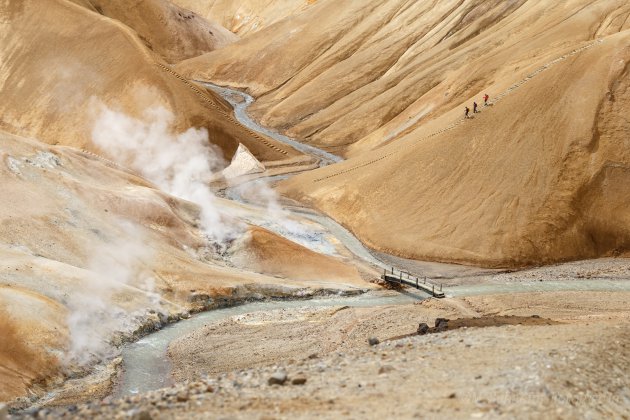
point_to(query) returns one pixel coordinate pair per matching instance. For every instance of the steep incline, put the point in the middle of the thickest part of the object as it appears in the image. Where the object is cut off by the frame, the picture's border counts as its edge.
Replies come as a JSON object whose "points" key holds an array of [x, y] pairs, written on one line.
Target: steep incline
{"points": [[351, 76], [540, 176], [171, 31], [52, 72], [246, 16]]}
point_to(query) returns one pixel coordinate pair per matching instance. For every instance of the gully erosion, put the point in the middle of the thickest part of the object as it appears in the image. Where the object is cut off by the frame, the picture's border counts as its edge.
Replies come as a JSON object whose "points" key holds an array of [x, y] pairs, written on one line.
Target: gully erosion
{"points": [[145, 364]]}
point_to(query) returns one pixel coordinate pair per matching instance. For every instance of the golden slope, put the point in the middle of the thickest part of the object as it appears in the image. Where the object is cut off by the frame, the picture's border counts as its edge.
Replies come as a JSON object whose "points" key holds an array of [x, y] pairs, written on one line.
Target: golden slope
{"points": [[541, 176], [64, 212], [247, 16], [171, 31], [351, 76], [58, 56]]}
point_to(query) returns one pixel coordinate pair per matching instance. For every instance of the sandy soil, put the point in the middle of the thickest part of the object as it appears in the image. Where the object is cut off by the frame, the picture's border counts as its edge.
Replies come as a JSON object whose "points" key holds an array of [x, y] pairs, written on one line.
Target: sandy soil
{"points": [[570, 365], [172, 32], [76, 231], [539, 177], [247, 16], [56, 68], [267, 338]]}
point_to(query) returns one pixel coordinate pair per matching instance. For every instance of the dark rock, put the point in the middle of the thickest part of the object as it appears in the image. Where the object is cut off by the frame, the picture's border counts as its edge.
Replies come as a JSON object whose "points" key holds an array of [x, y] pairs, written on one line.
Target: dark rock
{"points": [[278, 378], [373, 341], [182, 396], [142, 415], [441, 324], [423, 328], [300, 380], [535, 316]]}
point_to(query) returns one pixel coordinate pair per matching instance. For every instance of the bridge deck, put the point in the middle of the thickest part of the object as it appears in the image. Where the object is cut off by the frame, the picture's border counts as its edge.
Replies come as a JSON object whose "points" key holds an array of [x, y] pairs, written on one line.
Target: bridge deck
{"points": [[413, 281]]}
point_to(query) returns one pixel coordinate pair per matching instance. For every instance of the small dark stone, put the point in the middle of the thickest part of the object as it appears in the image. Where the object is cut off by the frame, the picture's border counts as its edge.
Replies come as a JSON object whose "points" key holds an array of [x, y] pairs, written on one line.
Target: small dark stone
{"points": [[535, 316], [300, 380], [313, 356], [142, 415], [423, 328], [182, 396], [452, 395], [372, 341], [441, 324], [439, 321]]}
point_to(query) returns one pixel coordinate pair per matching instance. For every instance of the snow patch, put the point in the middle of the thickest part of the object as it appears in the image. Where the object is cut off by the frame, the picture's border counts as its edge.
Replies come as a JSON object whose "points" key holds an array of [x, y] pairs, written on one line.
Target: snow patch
{"points": [[243, 163]]}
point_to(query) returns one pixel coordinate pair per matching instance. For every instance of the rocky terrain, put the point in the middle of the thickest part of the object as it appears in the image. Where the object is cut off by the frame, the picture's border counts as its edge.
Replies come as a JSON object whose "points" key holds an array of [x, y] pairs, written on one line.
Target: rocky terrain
{"points": [[263, 162], [556, 356]]}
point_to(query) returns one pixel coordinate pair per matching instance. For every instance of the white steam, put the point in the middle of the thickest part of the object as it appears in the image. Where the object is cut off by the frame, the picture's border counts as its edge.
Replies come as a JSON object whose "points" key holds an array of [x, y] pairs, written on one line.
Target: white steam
{"points": [[94, 317], [180, 164]]}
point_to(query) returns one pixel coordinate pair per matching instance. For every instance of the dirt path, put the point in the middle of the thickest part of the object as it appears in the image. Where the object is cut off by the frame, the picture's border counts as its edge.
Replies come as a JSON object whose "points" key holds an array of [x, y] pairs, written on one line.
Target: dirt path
{"points": [[492, 102], [462, 306]]}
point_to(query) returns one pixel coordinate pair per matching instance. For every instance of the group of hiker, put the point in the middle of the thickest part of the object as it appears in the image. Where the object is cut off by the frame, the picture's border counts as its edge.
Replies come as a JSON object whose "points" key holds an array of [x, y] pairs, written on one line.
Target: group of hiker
{"points": [[475, 106]]}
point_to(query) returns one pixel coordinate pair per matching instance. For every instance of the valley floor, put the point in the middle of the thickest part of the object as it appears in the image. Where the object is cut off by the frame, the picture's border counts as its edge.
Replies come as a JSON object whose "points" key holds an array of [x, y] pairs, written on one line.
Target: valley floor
{"points": [[554, 354]]}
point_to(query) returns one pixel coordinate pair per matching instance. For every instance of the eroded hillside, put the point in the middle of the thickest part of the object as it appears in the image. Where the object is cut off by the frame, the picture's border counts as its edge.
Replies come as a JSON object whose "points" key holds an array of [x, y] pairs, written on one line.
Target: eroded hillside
{"points": [[540, 175], [57, 65], [355, 75], [248, 16]]}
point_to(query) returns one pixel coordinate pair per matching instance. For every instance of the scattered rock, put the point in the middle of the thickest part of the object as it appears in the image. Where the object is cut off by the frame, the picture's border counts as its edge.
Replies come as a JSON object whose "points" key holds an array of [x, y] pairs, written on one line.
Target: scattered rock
{"points": [[441, 324], [182, 396], [452, 395], [423, 328], [299, 380], [373, 341], [535, 316], [313, 356], [142, 415], [278, 378]]}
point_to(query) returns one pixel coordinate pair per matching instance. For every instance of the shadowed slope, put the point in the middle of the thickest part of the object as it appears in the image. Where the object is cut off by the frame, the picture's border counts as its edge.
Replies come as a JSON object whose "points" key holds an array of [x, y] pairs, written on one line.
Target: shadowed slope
{"points": [[59, 58], [351, 76], [246, 16], [171, 31], [542, 175]]}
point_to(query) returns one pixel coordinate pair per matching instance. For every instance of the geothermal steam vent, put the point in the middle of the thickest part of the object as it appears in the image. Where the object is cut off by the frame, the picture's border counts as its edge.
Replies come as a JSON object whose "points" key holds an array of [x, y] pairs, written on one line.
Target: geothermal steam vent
{"points": [[243, 163]]}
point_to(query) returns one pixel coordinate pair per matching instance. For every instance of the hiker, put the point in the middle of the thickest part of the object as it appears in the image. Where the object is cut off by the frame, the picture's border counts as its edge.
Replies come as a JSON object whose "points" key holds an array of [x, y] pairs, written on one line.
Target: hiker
{"points": [[475, 107], [467, 112], [485, 99]]}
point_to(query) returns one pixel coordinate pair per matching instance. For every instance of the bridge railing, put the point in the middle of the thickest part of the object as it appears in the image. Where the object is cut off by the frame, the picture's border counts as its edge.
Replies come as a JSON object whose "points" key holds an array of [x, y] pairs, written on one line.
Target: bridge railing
{"points": [[405, 277]]}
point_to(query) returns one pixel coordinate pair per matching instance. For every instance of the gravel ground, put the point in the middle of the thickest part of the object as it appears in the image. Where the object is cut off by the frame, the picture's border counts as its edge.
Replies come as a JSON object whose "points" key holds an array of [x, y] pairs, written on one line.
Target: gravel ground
{"points": [[574, 366], [556, 371]]}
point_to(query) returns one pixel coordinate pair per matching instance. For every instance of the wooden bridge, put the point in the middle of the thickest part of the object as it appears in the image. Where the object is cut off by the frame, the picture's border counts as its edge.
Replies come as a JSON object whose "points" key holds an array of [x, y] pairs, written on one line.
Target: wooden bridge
{"points": [[407, 279]]}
